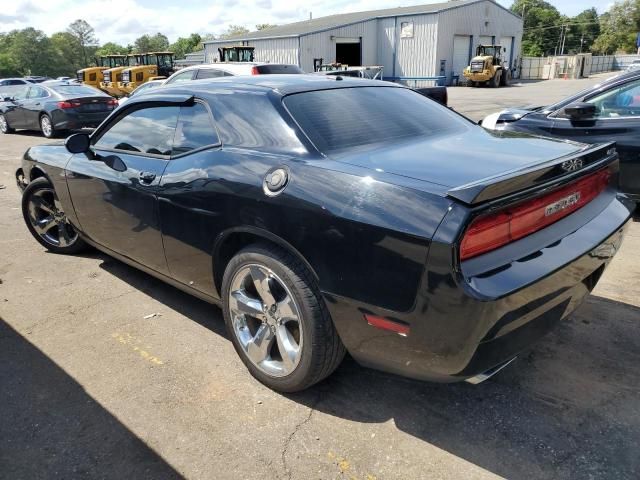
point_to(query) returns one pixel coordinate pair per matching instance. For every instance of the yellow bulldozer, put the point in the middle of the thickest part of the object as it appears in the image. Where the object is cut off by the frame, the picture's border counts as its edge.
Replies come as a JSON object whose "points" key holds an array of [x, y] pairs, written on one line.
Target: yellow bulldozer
{"points": [[93, 75], [487, 68], [111, 76], [156, 65]]}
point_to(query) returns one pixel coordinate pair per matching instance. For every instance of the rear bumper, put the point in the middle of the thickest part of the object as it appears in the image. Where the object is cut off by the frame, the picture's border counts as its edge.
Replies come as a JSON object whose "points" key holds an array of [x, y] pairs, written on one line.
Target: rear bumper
{"points": [[465, 323], [72, 120]]}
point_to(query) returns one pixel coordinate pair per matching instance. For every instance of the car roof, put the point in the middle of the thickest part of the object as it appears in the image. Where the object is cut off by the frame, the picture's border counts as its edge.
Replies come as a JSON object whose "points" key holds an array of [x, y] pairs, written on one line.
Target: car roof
{"points": [[230, 67], [282, 84]]}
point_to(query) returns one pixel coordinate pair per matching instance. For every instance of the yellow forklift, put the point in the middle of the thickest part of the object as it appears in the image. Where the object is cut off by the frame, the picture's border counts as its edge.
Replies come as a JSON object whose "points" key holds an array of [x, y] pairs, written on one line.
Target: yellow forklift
{"points": [[156, 66], [93, 75], [111, 76], [487, 68]]}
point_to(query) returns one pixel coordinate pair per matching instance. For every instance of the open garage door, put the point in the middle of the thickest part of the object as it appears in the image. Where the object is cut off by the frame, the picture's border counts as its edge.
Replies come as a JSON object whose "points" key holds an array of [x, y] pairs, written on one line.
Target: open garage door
{"points": [[507, 42], [349, 51], [461, 48]]}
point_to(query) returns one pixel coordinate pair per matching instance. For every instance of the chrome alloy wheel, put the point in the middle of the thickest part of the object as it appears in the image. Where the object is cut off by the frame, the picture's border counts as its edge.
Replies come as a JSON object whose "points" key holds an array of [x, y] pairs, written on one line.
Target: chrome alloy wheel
{"points": [[4, 127], [48, 219], [45, 125], [266, 320]]}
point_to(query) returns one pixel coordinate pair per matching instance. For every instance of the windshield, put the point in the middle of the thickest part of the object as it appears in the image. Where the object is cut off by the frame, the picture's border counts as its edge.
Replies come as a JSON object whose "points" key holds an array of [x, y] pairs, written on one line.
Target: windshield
{"points": [[345, 118], [489, 51], [165, 61]]}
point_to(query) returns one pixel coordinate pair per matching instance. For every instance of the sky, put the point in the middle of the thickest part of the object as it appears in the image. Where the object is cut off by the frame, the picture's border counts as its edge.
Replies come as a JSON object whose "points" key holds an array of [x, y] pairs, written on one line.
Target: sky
{"points": [[123, 21]]}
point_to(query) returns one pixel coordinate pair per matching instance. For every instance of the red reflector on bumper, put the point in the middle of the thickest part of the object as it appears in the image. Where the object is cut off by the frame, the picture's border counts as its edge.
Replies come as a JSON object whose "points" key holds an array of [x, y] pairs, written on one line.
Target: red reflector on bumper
{"points": [[385, 324], [489, 232]]}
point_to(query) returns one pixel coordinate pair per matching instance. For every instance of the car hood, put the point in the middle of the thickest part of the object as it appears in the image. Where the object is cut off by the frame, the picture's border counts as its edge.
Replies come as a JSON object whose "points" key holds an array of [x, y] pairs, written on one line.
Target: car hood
{"points": [[458, 159]]}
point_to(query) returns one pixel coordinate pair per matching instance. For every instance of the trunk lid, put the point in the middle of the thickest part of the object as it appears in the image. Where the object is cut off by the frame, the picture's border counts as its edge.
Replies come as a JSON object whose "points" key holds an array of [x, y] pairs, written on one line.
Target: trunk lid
{"points": [[478, 165]]}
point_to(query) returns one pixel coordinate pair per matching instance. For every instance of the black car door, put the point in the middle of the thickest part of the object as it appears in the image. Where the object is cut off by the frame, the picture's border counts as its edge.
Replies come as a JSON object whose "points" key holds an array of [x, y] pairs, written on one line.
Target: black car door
{"points": [[617, 119], [12, 108], [33, 105], [114, 193]]}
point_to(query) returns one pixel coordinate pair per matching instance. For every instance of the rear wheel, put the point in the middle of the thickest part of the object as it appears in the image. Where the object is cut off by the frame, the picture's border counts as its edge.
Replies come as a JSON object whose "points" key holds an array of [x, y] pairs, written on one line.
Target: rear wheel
{"points": [[277, 319], [4, 125], [46, 126], [471, 83], [46, 220]]}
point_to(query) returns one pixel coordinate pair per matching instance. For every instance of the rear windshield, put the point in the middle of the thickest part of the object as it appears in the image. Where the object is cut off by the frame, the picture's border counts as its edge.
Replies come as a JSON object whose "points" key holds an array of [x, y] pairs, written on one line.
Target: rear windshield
{"points": [[340, 119], [278, 69], [75, 90]]}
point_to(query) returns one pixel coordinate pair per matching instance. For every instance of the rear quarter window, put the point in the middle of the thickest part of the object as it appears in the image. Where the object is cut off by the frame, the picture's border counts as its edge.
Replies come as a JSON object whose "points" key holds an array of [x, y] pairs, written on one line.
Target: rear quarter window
{"points": [[345, 118]]}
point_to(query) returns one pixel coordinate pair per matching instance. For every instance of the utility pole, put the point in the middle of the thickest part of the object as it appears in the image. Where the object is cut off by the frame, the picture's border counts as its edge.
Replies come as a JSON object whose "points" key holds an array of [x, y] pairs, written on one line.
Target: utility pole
{"points": [[581, 42], [564, 37]]}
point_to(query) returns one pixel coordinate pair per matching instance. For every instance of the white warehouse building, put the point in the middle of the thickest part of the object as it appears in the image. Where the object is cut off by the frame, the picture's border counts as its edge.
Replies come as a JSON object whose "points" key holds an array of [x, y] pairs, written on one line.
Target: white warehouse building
{"points": [[430, 40]]}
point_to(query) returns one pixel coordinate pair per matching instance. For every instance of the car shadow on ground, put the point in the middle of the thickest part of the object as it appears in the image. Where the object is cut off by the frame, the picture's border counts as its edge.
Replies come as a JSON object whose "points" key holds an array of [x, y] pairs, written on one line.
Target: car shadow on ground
{"points": [[51, 428], [568, 408]]}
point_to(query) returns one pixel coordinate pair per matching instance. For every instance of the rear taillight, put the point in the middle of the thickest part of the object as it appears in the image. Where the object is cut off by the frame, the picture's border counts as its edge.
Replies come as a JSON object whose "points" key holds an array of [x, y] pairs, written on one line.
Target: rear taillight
{"points": [[254, 71], [67, 104], [488, 232], [113, 102]]}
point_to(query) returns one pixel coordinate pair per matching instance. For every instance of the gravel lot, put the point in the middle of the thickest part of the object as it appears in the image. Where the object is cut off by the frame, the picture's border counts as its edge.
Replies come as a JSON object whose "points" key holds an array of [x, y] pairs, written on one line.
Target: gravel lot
{"points": [[92, 385]]}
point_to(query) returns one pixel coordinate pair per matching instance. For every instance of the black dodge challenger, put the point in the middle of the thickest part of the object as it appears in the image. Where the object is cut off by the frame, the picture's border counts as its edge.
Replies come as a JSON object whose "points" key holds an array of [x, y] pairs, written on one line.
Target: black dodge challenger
{"points": [[332, 214]]}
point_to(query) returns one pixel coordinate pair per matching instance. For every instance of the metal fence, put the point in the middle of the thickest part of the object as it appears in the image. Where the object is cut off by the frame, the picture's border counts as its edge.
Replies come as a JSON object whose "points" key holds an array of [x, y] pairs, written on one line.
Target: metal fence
{"points": [[532, 67], [602, 63]]}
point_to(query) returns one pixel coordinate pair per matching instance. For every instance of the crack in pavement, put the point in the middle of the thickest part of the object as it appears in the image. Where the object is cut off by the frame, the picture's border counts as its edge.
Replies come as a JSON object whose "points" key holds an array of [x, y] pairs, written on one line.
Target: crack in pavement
{"points": [[296, 429]]}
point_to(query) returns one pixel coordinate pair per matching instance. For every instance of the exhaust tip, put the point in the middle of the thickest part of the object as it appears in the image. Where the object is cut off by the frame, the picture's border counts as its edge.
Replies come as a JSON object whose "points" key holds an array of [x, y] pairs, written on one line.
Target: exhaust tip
{"points": [[489, 373]]}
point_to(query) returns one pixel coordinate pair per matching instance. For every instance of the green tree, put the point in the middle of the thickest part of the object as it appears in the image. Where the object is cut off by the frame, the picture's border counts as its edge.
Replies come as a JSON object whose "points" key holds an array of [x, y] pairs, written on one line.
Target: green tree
{"points": [[582, 31], [185, 45], [67, 54], [265, 26], [542, 26], [111, 48], [85, 38], [618, 28], [28, 52], [234, 30], [151, 43]]}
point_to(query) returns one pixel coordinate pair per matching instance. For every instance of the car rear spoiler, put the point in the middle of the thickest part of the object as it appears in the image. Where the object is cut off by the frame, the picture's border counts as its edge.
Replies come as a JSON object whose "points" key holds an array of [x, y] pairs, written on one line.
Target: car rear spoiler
{"points": [[547, 174]]}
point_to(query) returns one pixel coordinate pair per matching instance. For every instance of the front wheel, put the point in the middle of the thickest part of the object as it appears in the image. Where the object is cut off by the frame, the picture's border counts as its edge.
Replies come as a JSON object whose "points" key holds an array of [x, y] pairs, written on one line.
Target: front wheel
{"points": [[46, 219], [277, 319], [495, 81]]}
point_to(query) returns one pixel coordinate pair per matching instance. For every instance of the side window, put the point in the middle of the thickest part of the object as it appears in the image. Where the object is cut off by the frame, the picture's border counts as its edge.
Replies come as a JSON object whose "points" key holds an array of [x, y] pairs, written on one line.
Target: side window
{"points": [[37, 92], [149, 130], [623, 101], [209, 73], [182, 77], [195, 129]]}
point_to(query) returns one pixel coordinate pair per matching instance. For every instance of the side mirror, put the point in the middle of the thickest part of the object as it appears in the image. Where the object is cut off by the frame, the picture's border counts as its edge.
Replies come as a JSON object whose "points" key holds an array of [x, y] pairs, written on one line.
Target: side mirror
{"points": [[580, 111], [78, 143], [7, 99]]}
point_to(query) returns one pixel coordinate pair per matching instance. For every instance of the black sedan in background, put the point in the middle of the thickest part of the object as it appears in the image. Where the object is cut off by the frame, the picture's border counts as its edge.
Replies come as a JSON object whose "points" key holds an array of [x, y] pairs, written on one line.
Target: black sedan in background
{"points": [[606, 112], [53, 108], [329, 213]]}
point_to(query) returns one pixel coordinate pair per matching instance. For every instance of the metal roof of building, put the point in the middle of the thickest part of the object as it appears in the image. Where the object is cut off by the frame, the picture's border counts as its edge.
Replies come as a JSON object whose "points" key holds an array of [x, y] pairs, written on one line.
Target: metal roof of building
{"points": [[333, 21]]}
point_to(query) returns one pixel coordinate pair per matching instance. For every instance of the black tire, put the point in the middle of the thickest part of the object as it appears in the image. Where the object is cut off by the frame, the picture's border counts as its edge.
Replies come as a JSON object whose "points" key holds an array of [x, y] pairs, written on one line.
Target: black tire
{"points": [[4, 125], [505, 78], [322, 350], [68, 240], [49, 132], [471, 83], [495, 81]]}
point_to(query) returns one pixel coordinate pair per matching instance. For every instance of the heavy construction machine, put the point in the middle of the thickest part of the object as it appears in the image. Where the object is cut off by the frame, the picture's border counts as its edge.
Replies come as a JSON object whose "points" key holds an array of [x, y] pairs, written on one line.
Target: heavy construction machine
{"points": [[156, 66], [487, 67], [111, 76], [239, 53], [93, 75]]}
